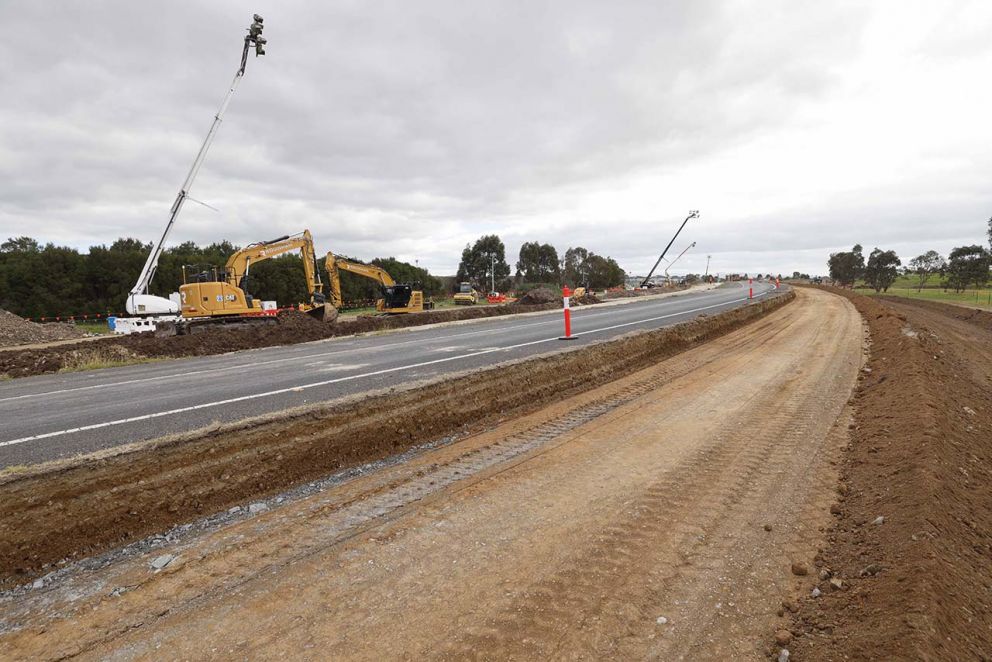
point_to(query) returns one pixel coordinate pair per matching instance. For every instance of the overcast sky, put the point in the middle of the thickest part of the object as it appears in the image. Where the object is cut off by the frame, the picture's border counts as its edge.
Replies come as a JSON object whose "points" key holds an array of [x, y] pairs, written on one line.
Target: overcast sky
{"points": [[411, 128]]}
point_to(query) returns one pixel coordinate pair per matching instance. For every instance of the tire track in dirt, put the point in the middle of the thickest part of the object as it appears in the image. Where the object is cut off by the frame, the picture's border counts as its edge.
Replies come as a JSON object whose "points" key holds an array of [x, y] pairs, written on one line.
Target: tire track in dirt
{"points": [[649, 543], [87, 506], [363, 511], [739, 467]]}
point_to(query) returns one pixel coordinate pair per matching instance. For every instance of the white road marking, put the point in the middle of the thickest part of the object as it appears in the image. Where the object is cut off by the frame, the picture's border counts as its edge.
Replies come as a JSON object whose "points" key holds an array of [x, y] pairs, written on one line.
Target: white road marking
{"points": [[326, 382], [252, 365]]}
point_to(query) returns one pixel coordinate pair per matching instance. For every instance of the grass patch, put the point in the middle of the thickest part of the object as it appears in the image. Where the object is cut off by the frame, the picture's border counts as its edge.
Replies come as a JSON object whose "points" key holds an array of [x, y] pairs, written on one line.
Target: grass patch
{"points": [[99, 328], [976, 298], [13, 469], [102, 357]]}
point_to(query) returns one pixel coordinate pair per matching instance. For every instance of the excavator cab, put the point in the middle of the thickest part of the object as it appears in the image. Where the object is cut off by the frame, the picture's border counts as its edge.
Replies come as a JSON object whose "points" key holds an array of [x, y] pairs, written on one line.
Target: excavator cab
{"points": [[396, 296]]}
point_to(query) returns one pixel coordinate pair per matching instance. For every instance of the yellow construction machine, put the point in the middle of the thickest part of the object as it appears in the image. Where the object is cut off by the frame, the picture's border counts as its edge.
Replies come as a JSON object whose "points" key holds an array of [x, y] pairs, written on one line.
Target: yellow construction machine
{"points": [[395, 298], [466, 295], [219, 294]]}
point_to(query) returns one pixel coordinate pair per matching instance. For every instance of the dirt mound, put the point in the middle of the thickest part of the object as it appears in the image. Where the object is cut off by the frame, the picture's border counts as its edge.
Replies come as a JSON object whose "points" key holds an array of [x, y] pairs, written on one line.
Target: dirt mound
{"points": [[538, 296], [911, 542], [95, 504], [980, 318], [587, 299], [15, 330]]}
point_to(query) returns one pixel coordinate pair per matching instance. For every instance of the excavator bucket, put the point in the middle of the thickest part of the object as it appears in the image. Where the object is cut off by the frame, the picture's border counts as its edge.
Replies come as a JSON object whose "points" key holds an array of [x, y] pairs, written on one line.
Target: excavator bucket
{"points": [[324, 312]]}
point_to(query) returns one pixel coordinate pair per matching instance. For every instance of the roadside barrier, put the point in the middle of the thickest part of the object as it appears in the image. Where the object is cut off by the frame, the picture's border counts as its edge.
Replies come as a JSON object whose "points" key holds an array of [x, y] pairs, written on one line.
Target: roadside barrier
{"points": [[565, 294]]}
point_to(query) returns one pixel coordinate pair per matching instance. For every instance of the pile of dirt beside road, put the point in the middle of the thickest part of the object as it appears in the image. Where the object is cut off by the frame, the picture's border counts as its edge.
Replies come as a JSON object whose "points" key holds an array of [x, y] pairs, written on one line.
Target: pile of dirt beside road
{"points": [[912, 542], [980, 318], [537, 297], [15, 330], [294, 327], [72, 510]]}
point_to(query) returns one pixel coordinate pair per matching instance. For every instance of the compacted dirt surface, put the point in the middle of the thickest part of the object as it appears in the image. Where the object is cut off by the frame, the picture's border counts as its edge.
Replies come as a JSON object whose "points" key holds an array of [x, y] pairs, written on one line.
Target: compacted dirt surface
{"points": [[911, 546], [667, 514], [73, 508]]}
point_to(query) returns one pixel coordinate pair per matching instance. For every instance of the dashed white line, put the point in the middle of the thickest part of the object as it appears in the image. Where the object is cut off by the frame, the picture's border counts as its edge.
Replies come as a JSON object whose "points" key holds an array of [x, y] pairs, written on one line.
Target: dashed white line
{"points": [[256, 364], [326, 382]]}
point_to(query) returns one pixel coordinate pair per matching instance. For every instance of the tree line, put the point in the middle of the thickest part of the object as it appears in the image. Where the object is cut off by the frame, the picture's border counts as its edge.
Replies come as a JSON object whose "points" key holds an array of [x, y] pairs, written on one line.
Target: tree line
{"points": [[964, 267], [48, 280], [484, 265]]}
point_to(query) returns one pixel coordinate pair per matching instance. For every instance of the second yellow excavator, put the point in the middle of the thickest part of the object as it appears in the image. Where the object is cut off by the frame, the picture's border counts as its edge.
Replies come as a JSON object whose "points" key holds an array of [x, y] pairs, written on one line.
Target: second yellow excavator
{"points": [[395, 298], [220, 294]]}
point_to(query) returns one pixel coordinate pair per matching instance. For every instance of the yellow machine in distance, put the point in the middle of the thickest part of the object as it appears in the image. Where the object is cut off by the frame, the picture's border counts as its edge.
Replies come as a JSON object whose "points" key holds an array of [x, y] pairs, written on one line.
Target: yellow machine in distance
{"points": [[466, 295], [395, 298], [220, 292]]}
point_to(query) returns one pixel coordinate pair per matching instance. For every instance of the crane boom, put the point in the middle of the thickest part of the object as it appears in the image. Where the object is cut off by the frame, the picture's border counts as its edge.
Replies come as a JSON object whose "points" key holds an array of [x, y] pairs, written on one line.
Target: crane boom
{"points": [[692, 214], [139, 301]]}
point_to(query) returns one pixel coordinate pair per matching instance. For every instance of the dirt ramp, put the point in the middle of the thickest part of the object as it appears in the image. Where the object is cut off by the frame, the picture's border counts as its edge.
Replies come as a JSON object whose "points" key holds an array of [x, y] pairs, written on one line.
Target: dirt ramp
{"points": [[78, 509]]}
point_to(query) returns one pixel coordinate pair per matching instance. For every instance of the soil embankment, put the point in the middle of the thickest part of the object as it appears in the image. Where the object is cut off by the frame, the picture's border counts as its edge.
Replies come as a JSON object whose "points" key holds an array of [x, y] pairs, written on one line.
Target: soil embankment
{"points": [[50, 515], [911, 546], [655, 516]]}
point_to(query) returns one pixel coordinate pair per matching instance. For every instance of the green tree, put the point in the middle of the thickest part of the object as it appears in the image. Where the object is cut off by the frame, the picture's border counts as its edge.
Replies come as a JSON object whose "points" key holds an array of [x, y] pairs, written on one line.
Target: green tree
{"points": [[404, 272], [882, 269], [968, 265], [538, 263], [581, 267], [574, 267], [846, 267], [19, 245], [485, 258], [925, 266]]}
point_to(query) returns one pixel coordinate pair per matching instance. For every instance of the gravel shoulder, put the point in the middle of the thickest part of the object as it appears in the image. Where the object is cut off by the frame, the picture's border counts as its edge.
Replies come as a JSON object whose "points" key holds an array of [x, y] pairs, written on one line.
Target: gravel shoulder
{"points": [[656, 515]]}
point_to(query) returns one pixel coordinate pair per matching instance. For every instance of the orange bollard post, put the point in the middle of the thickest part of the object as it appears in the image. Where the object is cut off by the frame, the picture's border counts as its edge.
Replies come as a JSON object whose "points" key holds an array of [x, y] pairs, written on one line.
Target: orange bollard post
{"points": [[750, 288], [565, 294]]}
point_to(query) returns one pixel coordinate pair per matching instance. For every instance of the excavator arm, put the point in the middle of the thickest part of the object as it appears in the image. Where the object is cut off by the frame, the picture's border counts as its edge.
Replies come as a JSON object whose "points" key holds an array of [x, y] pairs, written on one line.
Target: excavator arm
{"points": [[395, 298], [336, 264], [239, 264]]}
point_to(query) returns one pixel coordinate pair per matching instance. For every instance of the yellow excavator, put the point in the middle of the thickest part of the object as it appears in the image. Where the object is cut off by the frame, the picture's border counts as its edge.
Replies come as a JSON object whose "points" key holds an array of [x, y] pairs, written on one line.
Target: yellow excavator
{"points": [[219, 294], [395, 298]]}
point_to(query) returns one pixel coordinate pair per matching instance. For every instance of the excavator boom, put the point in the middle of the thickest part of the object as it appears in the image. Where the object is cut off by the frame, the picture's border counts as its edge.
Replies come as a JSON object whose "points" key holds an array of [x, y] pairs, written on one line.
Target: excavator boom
{"points": [[225, 295], [395, 297], [239, 264]]}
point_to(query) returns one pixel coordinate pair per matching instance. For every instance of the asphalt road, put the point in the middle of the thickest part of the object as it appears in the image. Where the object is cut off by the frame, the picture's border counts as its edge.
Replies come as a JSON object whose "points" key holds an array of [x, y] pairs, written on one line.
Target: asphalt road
{"points": [[55, 416]]}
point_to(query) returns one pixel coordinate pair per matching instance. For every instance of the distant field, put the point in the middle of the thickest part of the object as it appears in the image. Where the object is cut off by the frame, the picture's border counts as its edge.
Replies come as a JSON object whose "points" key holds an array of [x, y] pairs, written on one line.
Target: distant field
{"points": [[977, 298]]}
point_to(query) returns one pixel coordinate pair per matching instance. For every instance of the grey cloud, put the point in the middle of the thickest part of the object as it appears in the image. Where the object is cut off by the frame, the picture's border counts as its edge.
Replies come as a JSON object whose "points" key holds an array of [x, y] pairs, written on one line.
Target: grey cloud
{"points": [[408, 128]]}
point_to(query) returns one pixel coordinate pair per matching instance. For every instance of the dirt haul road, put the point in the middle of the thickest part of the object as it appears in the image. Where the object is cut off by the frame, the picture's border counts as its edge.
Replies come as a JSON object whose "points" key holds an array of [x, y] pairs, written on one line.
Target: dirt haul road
{"points": [[655, 516]]}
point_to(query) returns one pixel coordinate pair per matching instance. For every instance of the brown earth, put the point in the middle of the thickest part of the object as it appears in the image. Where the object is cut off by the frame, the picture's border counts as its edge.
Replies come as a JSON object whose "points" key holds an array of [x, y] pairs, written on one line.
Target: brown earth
{"points": [[74, 510], [15, 330], [293, 327], [653, 516], [917, 584]]}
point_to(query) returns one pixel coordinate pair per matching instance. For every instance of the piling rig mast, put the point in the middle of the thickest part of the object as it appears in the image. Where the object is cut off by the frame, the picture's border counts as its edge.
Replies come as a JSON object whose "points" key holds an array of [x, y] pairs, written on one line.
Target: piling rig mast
{"points": [[139, 301]]}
